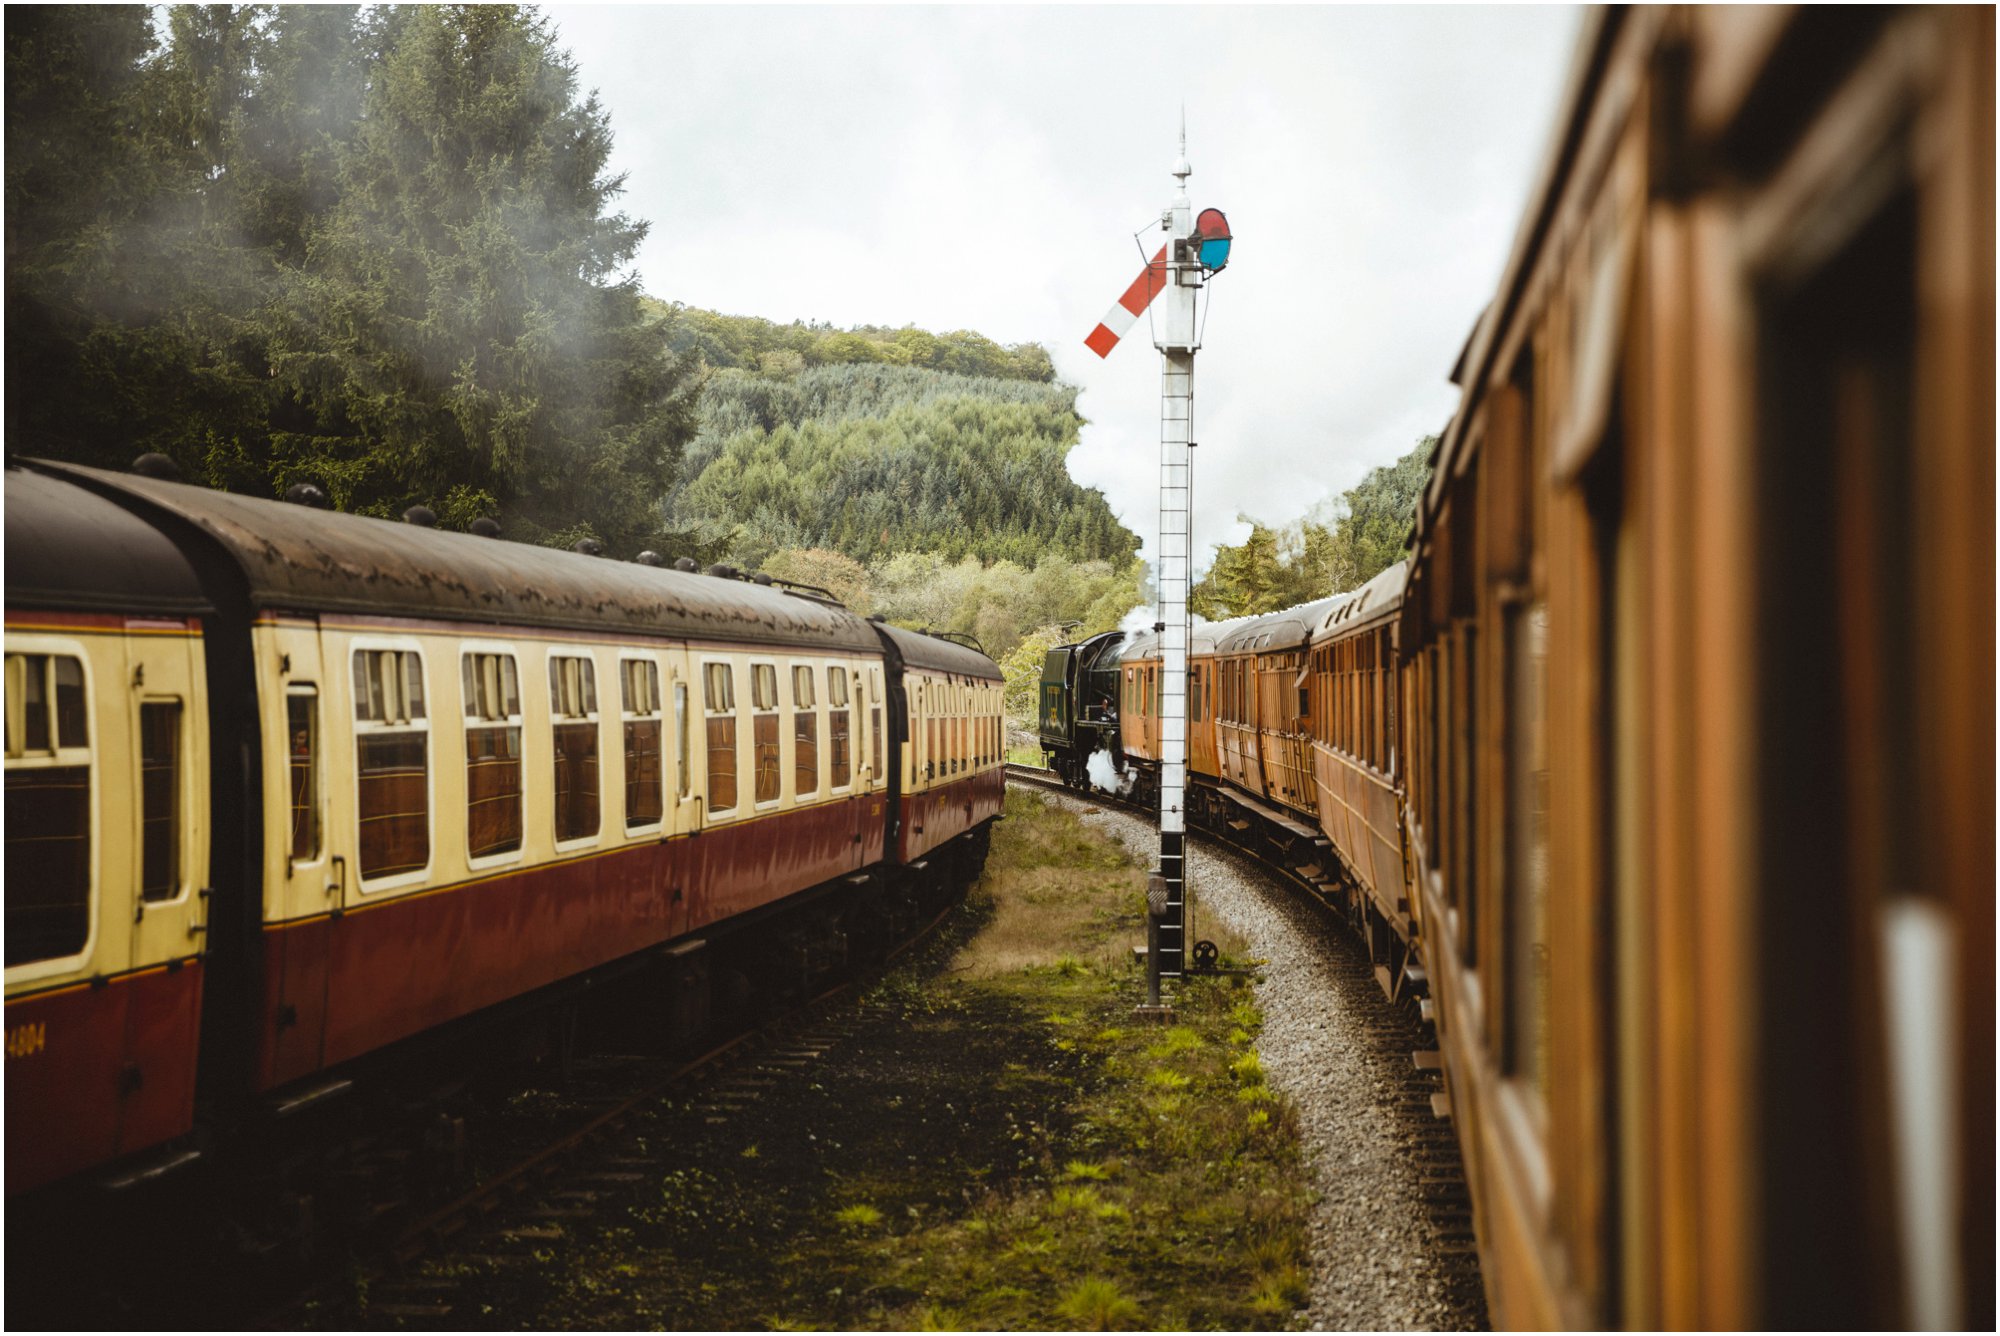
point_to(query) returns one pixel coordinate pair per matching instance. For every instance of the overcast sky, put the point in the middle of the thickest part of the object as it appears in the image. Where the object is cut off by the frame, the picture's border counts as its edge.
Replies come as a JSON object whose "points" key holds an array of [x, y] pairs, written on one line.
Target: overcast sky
{"points": [[985, 168]]}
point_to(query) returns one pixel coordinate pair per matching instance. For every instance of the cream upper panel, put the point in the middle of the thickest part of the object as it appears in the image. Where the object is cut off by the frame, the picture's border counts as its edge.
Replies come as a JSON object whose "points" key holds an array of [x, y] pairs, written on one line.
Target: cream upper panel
{"points": [[955, 729], [308, 681], [785, 690], [620, 712], [107, 776]]}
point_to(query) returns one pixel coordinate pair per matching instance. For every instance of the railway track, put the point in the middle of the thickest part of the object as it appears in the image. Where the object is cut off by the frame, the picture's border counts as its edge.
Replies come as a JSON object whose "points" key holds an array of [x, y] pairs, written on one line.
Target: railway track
{"points": [[1400, 1035], [391, 1252], [586, 1175]]}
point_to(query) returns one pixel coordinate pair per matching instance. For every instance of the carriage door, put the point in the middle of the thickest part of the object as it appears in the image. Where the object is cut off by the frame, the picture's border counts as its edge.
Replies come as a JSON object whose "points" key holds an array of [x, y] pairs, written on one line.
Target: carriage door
{"points": [[681, 781], [306, 874], [169, 779]]}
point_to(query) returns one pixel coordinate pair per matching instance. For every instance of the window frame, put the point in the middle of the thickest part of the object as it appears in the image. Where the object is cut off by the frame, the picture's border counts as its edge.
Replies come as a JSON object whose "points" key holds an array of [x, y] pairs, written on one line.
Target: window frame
{"points": [[775, 710], [182, 797], [626, 716], [683, 740], [877, 701], [733, 712], [808, 672], [307, 691], [595, 718], [519, 721], [837, 671], [395, 881], [30, 970]]}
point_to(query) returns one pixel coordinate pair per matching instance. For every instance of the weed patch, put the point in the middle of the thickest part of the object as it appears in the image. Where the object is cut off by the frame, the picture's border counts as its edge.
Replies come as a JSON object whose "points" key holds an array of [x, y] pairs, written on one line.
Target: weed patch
{"points": [[1006, 1149]]}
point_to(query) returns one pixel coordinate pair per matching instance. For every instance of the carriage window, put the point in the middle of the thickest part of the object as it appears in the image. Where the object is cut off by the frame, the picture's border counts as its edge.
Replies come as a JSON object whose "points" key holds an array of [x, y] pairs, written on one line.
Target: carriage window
{"points": [[718, 689], [1389, 688], [681, 736], [48, 809], [302, 730], [645, 796], [805, 734], [492, 686], [839, 746], [392, 762], [875, 718], [573, 708], [159, 799], [1528, 847], [764, 732]]}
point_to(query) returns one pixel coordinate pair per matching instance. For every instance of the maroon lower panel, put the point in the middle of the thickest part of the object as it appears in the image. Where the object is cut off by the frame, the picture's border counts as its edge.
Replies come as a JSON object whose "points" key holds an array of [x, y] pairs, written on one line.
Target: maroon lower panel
{"points": [[98, 1072], [337, 988], [938, 815]]}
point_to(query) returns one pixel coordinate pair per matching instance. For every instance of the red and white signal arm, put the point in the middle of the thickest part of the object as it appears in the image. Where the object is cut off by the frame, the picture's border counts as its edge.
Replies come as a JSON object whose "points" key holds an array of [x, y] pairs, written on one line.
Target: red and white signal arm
{"points": [[1211, 235]]}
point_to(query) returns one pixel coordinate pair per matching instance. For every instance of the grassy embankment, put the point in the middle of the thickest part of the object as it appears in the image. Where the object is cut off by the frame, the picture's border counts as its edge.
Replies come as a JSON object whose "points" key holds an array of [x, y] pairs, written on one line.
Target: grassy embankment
{"points": [[1175, 1199], [1005, 1147]]}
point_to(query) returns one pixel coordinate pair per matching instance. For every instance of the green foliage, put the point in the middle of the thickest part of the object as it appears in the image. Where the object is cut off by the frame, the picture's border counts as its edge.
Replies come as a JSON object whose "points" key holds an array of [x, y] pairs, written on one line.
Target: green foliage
{"points": [[1003, 602], [843, 577], [368, 248], [749, 343], [1319, 555], [1098, 1305], [1022, 669], [872, 460], [858, 1216]]}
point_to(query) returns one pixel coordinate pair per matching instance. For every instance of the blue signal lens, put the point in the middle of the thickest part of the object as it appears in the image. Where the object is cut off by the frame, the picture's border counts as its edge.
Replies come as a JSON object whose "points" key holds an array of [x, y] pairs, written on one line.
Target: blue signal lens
{"points": [[1215, 254]]}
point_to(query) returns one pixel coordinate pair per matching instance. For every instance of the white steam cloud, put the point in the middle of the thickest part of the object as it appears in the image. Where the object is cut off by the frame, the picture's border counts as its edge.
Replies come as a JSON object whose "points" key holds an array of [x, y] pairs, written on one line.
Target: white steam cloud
{"points": [[1106, 776]]}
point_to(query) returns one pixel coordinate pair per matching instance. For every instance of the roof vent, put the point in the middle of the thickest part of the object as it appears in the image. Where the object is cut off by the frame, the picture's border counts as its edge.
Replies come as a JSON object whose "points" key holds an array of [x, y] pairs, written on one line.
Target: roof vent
{"points": [[590, 547], [684, 564], [876, 618], [650, 558], [421, 516], [306, 494], [762, 579], [153, 464], [486, 527], [722, 572]]}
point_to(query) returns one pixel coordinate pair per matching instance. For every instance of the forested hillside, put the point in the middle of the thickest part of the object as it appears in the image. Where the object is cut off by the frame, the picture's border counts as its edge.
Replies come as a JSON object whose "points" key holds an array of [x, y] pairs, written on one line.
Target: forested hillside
{"points": [[754, 344], [871, 460], [935, 498]]}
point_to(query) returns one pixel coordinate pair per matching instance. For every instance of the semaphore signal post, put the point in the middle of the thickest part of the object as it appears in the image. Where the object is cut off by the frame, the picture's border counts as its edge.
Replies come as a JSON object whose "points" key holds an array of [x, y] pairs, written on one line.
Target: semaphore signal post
{"points": [[1195, 249]]}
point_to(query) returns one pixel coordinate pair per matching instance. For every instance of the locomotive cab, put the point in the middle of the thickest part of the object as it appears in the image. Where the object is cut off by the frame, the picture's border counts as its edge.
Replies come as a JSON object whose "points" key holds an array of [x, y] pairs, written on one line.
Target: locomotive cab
{"points": [[1079, 706]]}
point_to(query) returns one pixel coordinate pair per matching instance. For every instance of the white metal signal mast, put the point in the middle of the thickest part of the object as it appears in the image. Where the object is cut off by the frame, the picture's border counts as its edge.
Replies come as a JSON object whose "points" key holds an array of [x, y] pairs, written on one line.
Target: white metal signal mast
{"points": [[1196, 248]]}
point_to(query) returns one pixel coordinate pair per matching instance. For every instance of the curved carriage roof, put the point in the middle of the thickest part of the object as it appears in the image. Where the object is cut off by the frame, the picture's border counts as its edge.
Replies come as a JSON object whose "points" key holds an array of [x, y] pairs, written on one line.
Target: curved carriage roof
{"points": [[68, 548], [914, 649], [1367, 606], [1201, 641], [1286, 629], [1211, 634], [296, 558]]}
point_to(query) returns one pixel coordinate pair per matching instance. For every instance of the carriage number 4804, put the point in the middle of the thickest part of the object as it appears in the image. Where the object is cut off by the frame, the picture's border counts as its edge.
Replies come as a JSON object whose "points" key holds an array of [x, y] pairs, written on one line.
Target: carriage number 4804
{"points": [[26, 1040]]}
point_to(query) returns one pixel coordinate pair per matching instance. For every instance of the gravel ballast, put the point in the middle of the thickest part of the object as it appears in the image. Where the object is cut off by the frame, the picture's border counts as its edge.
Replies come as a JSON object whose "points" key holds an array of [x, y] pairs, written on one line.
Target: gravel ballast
{"points": [[1380, 1258]]}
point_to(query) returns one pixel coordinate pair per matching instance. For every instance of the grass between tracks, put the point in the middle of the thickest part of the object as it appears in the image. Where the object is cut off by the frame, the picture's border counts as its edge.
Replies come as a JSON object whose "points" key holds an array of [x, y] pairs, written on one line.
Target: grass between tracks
{"points": [[1009, 1148], [1171, 1198]]}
